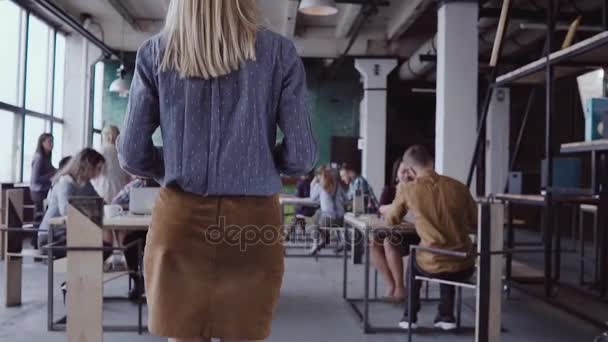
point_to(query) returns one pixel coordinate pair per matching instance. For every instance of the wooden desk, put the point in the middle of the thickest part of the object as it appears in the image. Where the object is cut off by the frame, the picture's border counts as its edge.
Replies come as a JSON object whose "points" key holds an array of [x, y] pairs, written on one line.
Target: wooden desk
{"points": [[372, 222], [120, 222], [85, 271], [364, 226], [599, 187]]}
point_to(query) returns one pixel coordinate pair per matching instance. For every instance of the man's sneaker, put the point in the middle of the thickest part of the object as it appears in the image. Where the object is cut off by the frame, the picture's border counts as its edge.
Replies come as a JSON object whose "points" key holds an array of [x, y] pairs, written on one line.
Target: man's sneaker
{"points": [[404, 324], [445, 322]]}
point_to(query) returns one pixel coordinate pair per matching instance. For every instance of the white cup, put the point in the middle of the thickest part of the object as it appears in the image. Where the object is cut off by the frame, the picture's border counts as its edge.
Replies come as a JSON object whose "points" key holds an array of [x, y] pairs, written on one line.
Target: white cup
{"points": [[112, 210]]}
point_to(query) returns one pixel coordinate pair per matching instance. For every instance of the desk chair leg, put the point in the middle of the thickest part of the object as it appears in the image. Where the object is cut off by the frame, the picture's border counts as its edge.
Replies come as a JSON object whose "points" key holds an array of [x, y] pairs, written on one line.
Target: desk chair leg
{"points": [[557, 254], [581, 248], [596, 251], [410, 294], [573, 227], [510, 244], [375, 283], [2, 245], [458, 307], [140, 300], [12, 285]]}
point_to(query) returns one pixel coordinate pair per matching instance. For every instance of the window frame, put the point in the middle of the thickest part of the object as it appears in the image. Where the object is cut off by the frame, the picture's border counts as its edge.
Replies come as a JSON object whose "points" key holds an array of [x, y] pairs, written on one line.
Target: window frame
{"points": [[21, 111]]}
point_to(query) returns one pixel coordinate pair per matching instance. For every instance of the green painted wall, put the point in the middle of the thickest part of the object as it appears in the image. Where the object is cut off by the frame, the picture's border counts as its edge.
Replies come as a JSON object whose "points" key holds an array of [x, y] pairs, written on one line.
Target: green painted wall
{"points": [[334, 103]]}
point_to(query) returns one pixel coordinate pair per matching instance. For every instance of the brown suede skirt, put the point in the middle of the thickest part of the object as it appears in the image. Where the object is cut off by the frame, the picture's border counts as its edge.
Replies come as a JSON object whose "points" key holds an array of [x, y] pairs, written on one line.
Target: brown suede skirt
{"points": [[213, 266]]}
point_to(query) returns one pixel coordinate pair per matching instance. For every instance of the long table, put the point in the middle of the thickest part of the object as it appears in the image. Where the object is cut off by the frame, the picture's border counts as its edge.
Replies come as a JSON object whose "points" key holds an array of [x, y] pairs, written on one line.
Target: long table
{"points": [[552, 253], [363, 226], [85, 272], [598, 149]]}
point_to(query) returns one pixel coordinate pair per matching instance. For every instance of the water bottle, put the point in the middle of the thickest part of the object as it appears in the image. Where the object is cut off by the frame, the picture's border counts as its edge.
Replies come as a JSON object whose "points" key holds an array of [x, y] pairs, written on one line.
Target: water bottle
{"points": [[358, 203]]}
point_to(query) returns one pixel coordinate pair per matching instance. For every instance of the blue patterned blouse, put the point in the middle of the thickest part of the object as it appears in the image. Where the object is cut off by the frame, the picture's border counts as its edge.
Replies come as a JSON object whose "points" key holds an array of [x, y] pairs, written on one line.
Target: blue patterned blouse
{"points": [[219, 135]]}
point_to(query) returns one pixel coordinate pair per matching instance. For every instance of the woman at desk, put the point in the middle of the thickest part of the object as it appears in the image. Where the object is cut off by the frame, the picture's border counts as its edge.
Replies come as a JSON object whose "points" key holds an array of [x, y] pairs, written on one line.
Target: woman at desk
{"points": [[387, 251], [331, 197], [218, 85], [72, 180]]}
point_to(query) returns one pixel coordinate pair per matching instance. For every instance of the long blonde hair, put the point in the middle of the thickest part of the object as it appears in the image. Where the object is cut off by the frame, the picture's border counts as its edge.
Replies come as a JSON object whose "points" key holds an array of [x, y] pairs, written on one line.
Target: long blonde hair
{"points": [[80, 166], [209, 38]]}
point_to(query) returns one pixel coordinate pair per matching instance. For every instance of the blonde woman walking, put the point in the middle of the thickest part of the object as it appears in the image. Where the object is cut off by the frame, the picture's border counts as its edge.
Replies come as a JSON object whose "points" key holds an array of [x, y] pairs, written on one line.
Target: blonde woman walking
{"points": [[218, 85]]}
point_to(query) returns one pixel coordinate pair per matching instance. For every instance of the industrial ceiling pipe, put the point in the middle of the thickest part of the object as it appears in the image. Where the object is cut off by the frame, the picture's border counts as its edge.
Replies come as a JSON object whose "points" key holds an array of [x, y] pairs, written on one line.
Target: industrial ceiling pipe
{"points": [[76, 26], [516, 38]]}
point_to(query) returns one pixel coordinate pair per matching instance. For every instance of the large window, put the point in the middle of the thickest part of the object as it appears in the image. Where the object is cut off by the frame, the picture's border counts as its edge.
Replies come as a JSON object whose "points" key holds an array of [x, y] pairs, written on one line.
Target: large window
{"points": [[32, 68], [97, 105], [8, 145], [10, 22]]}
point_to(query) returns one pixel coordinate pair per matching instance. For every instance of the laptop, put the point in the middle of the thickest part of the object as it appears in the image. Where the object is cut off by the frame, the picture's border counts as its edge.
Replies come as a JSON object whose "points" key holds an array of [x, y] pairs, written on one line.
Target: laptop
{"points": [[141, 200]]}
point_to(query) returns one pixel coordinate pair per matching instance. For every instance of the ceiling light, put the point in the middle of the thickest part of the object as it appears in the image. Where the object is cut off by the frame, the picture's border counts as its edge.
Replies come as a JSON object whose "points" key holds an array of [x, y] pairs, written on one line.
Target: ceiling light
{"points": [[120, 85], [318, 7]]}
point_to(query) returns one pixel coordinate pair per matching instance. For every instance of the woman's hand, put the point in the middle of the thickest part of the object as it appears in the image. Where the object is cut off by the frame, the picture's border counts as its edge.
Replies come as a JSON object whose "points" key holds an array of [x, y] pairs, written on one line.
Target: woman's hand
{"points": [[384, 209]]}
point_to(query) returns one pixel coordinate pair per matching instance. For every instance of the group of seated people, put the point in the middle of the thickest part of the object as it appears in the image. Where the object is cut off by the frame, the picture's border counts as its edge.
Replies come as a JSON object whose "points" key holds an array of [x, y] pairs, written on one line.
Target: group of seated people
{"points": [[444, 213], [93, 174], [333, 189]]}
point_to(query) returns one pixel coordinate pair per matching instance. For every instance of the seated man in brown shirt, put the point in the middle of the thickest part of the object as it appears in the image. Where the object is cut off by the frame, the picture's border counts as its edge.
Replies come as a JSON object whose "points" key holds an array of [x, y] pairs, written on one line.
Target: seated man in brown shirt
{"points": [[445, 212]]}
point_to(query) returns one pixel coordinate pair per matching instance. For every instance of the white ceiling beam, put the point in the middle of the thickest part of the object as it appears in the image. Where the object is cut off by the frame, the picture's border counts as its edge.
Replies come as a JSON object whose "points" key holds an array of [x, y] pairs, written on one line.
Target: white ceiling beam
{"points": [[124, 13], [334, 48], [326, 32], [405, 15], [347, 17]]}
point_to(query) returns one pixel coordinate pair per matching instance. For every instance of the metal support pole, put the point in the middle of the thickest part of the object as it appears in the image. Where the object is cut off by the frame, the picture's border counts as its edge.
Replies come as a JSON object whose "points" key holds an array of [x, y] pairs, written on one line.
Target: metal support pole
{"points": [[496, 54], [483, 274], [510, 245], [410, 291], [140, 300], [520, 135], [605, 14], [548, 213], [345, 266], [602, 213], [366, 295], [50, 282], [24, 94]]}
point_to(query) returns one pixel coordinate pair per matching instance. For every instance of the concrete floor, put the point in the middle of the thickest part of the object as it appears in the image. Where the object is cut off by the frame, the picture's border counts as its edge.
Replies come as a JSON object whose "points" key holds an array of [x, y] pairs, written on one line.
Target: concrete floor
{"points": [[310, 309]]}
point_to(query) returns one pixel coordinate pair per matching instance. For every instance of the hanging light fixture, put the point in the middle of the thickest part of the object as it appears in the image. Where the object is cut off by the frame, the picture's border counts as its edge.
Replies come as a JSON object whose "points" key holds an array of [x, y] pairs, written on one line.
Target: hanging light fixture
{"points": [[120, 84], [318, 7]]}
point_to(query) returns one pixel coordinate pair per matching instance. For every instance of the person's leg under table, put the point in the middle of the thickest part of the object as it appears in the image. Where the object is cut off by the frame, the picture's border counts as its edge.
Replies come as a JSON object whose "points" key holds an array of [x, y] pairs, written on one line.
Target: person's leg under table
{"points": [[445, 311], [378, 259], [133, 262], [414, 292], [394, 260]]}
